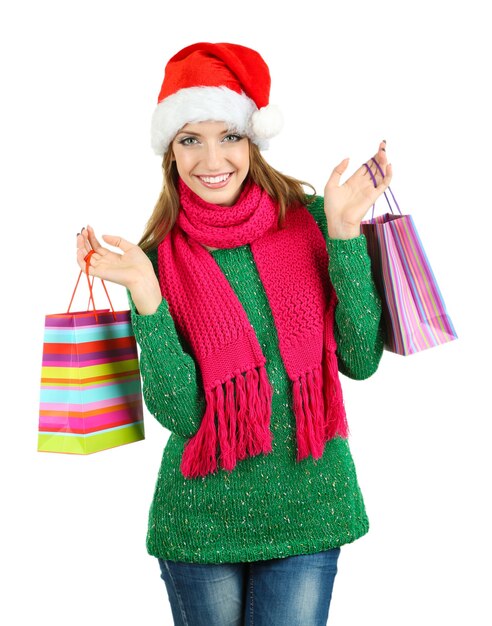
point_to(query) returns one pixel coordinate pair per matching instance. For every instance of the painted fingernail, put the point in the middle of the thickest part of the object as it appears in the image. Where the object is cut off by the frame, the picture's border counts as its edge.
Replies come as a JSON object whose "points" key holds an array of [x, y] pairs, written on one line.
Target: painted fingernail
{"points": [[384, 140], [78, 234]]}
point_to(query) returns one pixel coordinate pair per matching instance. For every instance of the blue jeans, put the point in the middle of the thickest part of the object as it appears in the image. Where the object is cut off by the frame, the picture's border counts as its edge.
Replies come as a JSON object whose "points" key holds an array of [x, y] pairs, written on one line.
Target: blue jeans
{"points": [[292, 591]]}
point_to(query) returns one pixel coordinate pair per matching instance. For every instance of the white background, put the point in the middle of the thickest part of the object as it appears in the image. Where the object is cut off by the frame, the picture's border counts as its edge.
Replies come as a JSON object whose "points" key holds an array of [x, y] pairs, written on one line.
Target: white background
{"points": [[79, 83]]}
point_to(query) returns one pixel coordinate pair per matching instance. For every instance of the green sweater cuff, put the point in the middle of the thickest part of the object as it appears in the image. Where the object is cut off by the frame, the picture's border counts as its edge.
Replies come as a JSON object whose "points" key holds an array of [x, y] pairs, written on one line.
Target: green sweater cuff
{"points": [[148, 328], [143, 325]]}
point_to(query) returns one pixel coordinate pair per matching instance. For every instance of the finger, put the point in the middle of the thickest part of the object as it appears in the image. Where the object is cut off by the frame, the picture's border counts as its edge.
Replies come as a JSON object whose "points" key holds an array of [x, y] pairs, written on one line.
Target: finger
{"points": [[384, 183], [93, 240], [118, 242], [83, 242], [382, 169], [370, 174], [378, 169], [389, 175], [377, 163], [91, 263], [381, 155], [375, 171], [81, 254], [334, 179], [379, 179], [85, 234], [369, 170], [80, 241]]}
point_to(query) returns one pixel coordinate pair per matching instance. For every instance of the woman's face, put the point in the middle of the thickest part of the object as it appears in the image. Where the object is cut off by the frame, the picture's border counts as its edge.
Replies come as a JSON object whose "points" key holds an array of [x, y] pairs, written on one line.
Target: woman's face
{"points": [[212, 161]]}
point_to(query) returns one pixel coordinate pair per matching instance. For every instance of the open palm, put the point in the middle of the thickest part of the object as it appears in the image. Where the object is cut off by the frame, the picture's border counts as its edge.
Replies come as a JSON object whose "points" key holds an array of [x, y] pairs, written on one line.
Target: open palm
{"points": [[346, 205], [124, 268]]}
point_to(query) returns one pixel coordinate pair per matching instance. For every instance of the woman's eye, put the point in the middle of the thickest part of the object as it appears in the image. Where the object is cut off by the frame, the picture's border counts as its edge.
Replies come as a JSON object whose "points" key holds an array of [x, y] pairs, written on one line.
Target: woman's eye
{"points": [[232, 137], [188, 141]]}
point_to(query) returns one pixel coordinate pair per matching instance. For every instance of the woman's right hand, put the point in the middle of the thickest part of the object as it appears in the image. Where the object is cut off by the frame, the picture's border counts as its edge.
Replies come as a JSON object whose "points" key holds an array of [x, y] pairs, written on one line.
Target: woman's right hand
{"points": [[130, 268]]}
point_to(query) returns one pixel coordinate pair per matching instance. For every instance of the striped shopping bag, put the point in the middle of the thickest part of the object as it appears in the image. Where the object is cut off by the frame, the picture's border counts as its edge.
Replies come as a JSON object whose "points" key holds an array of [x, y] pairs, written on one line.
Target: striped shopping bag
{"points": [[414, 311], [91, 396]]}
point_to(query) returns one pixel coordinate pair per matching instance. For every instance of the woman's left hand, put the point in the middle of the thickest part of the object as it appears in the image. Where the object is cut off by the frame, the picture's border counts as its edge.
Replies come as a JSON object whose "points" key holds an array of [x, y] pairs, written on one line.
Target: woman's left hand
{"points": [[346, 205]]}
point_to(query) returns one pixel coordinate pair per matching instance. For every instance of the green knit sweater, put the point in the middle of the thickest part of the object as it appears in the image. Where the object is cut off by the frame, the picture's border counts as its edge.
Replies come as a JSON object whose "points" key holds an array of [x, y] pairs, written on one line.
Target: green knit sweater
{"points": [[269, 506]]}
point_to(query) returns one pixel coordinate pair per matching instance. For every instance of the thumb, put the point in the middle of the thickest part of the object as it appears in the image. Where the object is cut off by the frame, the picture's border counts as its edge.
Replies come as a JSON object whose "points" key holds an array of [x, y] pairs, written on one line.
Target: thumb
{"points": [[118, 242], [334, 179]]}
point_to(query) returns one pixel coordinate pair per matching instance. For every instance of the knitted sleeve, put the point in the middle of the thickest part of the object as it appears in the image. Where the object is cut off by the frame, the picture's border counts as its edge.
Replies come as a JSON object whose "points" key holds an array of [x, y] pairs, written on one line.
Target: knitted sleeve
{"points": [[358, 328], [169, 376]]}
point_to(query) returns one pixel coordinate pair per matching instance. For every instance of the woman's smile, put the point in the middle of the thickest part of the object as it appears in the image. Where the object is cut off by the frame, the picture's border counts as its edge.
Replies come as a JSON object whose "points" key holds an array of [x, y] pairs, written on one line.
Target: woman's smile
{"points": [[215, 182]]}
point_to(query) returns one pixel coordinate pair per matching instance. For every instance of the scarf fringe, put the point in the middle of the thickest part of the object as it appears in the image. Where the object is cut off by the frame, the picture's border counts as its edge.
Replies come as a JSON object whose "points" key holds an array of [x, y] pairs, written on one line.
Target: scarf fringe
{"points": [[236, 424], [318, 418], [308, 411]]}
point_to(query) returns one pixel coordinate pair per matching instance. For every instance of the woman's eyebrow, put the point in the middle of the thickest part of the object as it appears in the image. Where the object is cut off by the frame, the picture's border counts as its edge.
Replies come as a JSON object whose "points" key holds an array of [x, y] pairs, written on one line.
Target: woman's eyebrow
{"points": [[195, 134]]}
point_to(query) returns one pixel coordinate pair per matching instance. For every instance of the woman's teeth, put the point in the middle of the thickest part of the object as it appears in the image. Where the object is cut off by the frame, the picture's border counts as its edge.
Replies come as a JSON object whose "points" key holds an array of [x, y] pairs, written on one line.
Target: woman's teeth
{"points": [[214, 179]]}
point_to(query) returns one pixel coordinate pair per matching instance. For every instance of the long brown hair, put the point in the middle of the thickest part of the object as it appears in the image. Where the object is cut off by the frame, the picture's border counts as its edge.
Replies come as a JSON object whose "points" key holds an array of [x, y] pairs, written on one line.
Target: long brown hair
{"points": [[286, 190]]}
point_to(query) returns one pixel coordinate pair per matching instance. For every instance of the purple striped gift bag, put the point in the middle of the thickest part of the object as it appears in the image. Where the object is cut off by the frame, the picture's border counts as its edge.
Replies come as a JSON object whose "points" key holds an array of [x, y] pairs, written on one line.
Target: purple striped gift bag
{"points": [[91, 396], [414, 311]]}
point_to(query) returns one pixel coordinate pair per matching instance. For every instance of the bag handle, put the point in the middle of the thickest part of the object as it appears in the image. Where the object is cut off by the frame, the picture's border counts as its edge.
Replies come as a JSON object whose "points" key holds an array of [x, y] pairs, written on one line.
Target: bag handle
{"points": [[87, 260], [385, 194]]}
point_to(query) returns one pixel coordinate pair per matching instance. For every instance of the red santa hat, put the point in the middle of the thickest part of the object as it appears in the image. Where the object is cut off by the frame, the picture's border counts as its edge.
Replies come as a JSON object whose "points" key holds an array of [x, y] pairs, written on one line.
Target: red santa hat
{"points": [[215, 82]]}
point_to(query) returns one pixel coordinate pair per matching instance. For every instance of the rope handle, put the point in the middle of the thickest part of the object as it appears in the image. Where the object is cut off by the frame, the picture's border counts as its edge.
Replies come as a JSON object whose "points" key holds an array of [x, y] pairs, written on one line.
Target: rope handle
{"points": [[385, 194], [87, 260]]}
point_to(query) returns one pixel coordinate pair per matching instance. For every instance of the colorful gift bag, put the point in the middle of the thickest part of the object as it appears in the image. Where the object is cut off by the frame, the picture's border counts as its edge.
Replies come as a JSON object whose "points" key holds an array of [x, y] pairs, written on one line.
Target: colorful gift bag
{"points": [[414, 311], [91, 396]]}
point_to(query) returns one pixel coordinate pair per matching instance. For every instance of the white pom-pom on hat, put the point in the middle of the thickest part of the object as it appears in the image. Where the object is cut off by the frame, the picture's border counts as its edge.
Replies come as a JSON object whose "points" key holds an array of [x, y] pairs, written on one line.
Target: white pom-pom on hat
{"points": [[267, 122]]}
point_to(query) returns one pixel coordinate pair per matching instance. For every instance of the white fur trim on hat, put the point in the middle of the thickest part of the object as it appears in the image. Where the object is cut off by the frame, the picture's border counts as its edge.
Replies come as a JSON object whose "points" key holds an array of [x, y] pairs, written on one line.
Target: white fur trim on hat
{"points": [[201, 104]]}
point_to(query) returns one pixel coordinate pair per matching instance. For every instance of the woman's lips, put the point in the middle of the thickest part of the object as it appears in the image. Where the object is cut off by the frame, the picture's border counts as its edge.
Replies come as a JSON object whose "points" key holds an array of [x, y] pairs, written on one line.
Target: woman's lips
{"points": [[215, 182]]}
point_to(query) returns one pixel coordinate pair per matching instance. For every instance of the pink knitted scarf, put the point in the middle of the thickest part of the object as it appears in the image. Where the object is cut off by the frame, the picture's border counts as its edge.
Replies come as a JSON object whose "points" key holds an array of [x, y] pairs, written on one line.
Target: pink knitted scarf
{"points": [[292, 263]]}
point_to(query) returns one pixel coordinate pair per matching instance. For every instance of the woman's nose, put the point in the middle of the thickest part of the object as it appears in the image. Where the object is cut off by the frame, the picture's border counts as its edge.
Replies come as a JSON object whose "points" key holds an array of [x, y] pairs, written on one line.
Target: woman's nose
{"points": [[212, 157]]}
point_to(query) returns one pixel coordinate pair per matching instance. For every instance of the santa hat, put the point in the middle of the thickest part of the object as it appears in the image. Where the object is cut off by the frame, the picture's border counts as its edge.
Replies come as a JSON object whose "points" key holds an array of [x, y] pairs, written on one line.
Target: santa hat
{"points": [[215, 82]]}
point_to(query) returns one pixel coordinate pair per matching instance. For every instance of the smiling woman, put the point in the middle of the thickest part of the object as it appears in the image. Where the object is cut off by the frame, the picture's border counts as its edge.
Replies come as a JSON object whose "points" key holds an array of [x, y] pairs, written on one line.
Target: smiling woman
{"points": [[212, 161], [248, 296]]}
